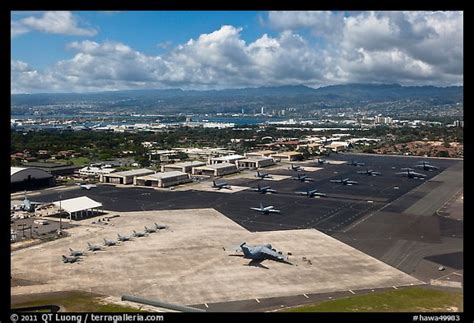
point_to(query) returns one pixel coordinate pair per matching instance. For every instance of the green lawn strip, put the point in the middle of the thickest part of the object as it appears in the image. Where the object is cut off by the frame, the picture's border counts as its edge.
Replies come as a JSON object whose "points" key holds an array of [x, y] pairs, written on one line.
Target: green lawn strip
{"points": [[415, 299], [76, 302], [80, 161]]}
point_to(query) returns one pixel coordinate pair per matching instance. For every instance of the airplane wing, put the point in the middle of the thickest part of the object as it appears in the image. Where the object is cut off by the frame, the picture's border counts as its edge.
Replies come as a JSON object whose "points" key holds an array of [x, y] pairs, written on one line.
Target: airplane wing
{"points": [[256, 209], [272, 254], [273, 211]]}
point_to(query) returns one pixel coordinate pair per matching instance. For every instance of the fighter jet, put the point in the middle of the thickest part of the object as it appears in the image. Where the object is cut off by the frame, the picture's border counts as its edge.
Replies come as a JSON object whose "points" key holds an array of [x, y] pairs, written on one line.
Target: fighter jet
{"points": [[262, 175], [264, 189], [295, 168], [139, 233], [311, 193], [72, 259], [109, 242], [123, 238], [86, 186], [322, 161], [411, 174], [259, 253], [160, 226], [356, 163], [28, 205], [344, 181], [426, 166], [265, 209], [94, 247], [369, 172], [220, 185], [75, 253], [303, 178], [149, 230]]}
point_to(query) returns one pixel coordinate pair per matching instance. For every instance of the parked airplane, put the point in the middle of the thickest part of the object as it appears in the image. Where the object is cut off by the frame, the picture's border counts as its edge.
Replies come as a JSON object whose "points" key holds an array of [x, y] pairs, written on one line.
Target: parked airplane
{"points": [[411, 174], [264, 189], [87, 186], [265, 209], [27, 205], [93, 247], [220, 185], [75, 253], [72, 259], [139, 233], [322, 161], [109, 242], [344, 181], [149, 230], [259, 253], [263, 175], [303, 178], [356, 163], [160, 226], [311, 193], [295, 168], [426, 166], [123, 238], [369, 172]]}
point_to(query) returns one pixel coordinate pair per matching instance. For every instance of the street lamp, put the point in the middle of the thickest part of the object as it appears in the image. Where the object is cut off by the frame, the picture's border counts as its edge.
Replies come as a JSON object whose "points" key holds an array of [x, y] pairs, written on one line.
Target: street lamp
{"points": [[60, 215]]}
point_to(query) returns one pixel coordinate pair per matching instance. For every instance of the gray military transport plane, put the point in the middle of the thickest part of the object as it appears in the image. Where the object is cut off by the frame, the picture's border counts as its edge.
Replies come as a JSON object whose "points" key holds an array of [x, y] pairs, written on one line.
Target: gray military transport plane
{"points": [[356, 163], [123, 238], [86, 186], [93, 247], [311, 193], [265, 209], [408, 172], [160, 226], [71, 259], [263, 189], [262, 175], [344, 181], [426, 166], [149, 230], [220, 185], [139, 233], [369, 172], [303, 178], [75, 253], [109, 243], [295, 168], [260, 253]]}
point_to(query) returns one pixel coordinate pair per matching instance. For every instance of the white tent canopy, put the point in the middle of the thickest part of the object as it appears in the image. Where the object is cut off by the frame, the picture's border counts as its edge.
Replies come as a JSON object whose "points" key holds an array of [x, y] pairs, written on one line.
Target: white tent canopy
{"points": [[78, 204]]}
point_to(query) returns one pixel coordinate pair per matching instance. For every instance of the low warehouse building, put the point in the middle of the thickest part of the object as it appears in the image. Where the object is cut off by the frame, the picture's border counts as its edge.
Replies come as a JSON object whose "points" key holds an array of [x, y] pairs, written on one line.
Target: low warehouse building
{"points": [[226, 159], [80, 207], [185, 167], [165, 179], [254, 163], [126, 177], [288, 156], [259, 154], [215, 170], [28, 178]]}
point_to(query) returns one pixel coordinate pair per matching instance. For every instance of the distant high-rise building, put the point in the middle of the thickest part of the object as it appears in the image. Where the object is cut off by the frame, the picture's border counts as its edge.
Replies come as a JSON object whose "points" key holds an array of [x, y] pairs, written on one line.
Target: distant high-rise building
{"points": [[262, 110], [243, 111]]}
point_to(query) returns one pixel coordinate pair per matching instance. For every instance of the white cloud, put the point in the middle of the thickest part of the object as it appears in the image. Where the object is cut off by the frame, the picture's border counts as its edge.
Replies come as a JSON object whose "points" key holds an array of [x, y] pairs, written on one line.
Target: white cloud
{"points": [[391, 47], [53, 22]]}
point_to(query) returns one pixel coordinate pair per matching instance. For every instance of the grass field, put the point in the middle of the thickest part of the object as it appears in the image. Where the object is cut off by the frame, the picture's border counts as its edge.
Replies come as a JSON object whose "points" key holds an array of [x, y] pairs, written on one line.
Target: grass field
{"points": [[416, 299], [74, 301], [80, 161]]}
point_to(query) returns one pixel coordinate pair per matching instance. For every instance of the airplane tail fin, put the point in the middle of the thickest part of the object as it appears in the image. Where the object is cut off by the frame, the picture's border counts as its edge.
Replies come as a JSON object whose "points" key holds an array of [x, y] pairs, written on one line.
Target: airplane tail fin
{"points": [[70, 250], [261, 205]]}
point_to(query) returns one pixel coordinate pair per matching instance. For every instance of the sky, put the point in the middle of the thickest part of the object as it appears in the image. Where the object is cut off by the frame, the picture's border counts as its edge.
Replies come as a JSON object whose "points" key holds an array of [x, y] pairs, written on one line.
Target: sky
{"points": [[91, 51]]}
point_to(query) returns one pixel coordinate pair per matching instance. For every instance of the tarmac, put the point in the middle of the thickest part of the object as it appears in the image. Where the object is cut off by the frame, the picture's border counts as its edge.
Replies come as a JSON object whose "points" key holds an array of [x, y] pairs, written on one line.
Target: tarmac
{"points": [[412, 225], [193, 262]]}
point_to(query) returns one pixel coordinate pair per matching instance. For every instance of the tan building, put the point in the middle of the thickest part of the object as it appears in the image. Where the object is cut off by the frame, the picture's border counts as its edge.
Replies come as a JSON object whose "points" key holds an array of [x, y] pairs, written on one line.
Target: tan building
{"points": [[226, 159], [259, 154], [216, 169], [288, 156], [165, 179], [254, 163], [125, 177], [185, 167]]}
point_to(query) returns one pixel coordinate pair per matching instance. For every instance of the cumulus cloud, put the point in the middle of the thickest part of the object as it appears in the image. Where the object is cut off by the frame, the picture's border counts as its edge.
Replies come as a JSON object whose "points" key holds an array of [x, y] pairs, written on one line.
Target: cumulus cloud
{"points": [[53, 22], [411, 48]]}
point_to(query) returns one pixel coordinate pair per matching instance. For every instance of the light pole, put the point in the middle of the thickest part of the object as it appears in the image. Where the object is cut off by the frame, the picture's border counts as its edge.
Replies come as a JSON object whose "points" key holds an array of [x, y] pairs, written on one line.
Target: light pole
{"points": [[60, 215]]}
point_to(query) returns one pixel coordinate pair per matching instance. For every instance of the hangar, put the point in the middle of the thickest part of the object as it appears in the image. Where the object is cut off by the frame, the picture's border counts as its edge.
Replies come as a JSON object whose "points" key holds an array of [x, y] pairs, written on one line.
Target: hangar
{"points": [[165, 179], [80, 207], [288, 156], [253, 163], [185, 167], [125, 177], [22, 178], [216, 169], [226, 159]]}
